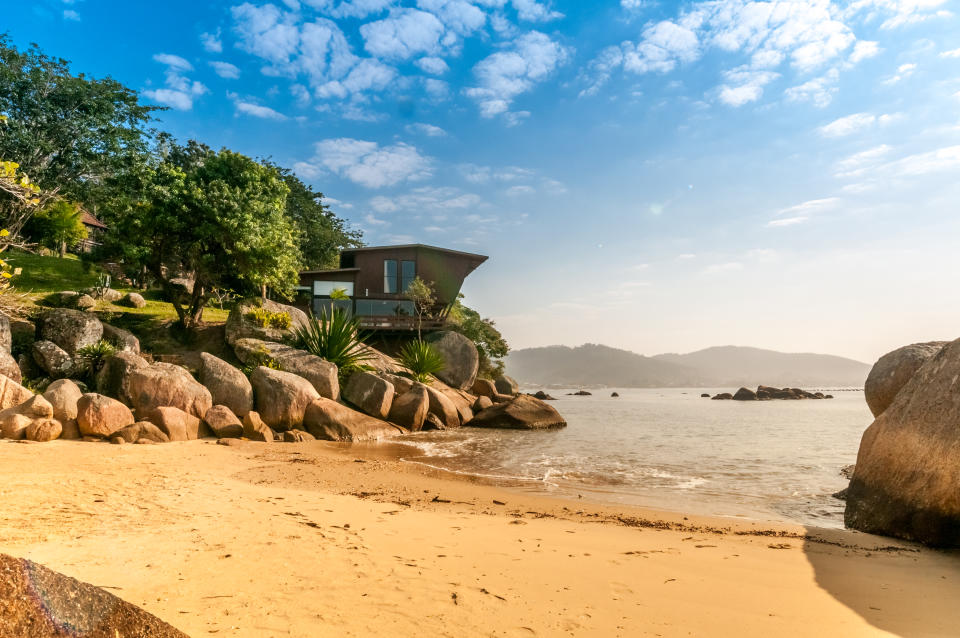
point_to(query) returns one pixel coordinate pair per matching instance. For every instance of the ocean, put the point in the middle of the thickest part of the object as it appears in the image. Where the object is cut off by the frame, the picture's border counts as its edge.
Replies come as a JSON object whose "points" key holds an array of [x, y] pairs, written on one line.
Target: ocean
{"points": [[672, 449]]}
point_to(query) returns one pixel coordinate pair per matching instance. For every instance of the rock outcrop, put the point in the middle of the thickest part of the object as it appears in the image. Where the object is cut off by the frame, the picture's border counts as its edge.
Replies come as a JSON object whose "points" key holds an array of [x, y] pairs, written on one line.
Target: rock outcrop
{"points": [[124, 340], [43, 430], [64, 395], [9, 367], [906, 482], [281, 397], [443, 407], [255, 429], [12, 393], [52, 359], [177, 424], [101, 416], [16, 420], [322, 374], [331, 421], [241, 326], [506, 385], [524, 412], [227, 385], [134, 300], [70, 329], [140, 431], [893, 370], [113, 379], [369, 393], [484, 388], [166, 384], [745, 394], [223, 422], [410, 408], [297, 436], [460, 357]]}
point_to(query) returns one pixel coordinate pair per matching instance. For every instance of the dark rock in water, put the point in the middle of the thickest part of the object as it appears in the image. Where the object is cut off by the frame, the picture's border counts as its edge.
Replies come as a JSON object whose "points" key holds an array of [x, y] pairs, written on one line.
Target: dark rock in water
{"points": [[723, 396], [841, 495], [908, 467], [36, 602], [847, 471], [580, 393], [615, 394], [705, 395], [522, 413], [828, 396], [893, 370], [745, 394], [543, 396]]}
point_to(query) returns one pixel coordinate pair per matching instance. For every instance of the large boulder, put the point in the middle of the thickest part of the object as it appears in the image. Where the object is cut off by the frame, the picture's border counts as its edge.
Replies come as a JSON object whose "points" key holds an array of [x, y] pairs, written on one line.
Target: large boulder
{"points": [[166, 384], [745, 394], [506, 385], [255, 429], [223, 422], [70, 329], [177, 424], [410, 408], [9, 367], [906, 482], [52, 359], [297, 436], [241, 325], [36, 602], [443, 407], [369, 393], [460, 357], [228, 386], [484, 388], [64, 395], [12, 393], [15, 421], [281, 397], [101, 416], [123, 340], [134, 300], [113, 379], [893, 370], [322, 374], [524, 412], [401, 385], [43, 430], [141, 430], [332, 421]]}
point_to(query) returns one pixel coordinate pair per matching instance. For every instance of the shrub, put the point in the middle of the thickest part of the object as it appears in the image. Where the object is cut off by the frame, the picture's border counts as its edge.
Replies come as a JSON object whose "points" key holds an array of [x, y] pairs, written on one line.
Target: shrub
{"points": [[266, 319], [260, 358], [90, 358], [421, 359], [337, 339]]}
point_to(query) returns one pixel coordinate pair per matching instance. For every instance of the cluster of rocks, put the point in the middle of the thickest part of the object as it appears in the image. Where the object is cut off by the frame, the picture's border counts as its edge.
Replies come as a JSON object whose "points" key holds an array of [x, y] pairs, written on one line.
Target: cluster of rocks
{"points": [[906, 481], [767, 393], [86, 300]]}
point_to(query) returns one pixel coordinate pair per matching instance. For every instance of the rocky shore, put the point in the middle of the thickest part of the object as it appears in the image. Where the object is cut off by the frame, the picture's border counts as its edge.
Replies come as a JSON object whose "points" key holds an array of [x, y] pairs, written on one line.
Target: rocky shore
{"points": [[767, 393]]}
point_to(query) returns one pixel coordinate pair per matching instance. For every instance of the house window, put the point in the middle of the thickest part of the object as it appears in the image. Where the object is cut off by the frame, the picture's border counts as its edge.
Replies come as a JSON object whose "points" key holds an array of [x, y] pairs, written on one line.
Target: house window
{"points": [[408, 271], [390, 276]]}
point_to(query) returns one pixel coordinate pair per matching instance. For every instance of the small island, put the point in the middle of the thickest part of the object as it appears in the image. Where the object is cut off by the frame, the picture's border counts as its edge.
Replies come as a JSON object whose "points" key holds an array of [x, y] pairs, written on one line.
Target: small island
{"points": [[767, 393]]}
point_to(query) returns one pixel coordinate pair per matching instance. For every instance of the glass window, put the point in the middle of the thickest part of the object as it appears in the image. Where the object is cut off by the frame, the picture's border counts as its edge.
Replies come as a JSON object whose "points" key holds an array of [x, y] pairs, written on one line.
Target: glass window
{"points": [[408, 271], [390, 276]]}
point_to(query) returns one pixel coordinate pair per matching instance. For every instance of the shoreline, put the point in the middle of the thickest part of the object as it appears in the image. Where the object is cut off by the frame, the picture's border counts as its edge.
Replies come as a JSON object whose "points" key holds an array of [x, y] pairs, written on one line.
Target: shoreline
{"points": [[320, 539]]}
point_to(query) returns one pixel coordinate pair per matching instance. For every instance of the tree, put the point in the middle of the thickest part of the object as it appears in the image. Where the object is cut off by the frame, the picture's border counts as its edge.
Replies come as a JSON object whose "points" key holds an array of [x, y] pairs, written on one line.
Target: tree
{"points": [[421, 294], [57, 226], [67, 132], [217, 218], [491, 345]]}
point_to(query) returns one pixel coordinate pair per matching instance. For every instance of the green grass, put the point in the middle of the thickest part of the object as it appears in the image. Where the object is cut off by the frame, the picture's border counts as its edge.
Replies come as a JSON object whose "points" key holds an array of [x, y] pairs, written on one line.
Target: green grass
{"points": [[50, 274]]}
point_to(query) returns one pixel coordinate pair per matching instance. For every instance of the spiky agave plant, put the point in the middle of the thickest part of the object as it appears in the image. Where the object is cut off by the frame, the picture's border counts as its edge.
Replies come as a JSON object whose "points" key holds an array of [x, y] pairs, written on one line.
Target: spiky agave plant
{"points": [[337, 338], [421, 359]]}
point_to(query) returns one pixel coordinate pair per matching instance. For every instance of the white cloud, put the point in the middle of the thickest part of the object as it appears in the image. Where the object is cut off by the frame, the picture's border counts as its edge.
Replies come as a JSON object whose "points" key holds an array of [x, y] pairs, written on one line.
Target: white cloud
{"points": [[858, 163], [350, 8], [438, 201], [534, 11], [432, 65], [256, 110], [819, 91], [175, 62], [180, 91], [848, 125], [744, 86], [225, 70], [70, 14], [172, 98], [899, 13], [368, 163], [953, 53], [505, 75], [405, 33], [863, 50], [266, 32], [801, 213], [941, 159], [211, 42], [788, 221], [903, 72], [426, 129], [301, 94], [520, 190], [663, 46], [632, 5], [460, 16]]}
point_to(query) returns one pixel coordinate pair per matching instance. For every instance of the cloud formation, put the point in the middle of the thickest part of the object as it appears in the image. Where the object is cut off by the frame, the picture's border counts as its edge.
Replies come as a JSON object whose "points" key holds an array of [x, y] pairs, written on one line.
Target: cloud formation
{"points": [[367, 163]]}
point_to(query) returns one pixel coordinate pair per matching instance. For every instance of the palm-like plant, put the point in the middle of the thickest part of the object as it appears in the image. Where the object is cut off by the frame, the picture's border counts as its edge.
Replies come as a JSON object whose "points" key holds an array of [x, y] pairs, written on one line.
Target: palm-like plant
{"points": [[421, 359], [338, 339]]}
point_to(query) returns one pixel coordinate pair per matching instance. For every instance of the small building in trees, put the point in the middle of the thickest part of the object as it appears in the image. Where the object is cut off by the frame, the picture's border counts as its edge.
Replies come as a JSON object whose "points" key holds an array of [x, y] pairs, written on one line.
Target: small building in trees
{"points": [[371, 284], [95, 231]]}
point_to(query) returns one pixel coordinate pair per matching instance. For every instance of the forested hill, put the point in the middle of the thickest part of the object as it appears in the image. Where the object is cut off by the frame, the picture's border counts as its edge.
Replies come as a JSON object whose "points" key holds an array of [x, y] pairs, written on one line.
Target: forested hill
{"points": [[598, 365]]}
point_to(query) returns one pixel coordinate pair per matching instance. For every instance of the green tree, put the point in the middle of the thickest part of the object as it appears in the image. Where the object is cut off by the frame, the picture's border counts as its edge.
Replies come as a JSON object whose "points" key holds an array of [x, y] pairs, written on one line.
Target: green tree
{"points": [[483, 332], [421, 294], [57, 226], [216, 218], [66, 131]]}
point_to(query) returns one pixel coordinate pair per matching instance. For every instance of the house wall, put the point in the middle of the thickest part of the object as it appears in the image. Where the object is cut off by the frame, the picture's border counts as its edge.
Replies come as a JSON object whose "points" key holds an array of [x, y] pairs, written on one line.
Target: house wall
{"points": [[444, 271]]}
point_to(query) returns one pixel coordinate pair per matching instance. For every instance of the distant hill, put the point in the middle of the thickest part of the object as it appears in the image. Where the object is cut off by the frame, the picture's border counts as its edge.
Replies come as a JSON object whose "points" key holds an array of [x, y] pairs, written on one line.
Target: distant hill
{"points": [[596, 365]]}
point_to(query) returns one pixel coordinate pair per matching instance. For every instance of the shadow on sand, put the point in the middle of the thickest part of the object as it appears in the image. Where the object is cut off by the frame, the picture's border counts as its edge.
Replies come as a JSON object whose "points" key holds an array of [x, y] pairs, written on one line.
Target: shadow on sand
{"points": [[898, 587]]}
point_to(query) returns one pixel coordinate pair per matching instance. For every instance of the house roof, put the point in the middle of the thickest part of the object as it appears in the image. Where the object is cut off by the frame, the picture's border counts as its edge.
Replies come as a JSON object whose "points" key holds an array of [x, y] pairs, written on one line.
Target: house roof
{"points": [[90, 220], [327, 271], [475, 256]]}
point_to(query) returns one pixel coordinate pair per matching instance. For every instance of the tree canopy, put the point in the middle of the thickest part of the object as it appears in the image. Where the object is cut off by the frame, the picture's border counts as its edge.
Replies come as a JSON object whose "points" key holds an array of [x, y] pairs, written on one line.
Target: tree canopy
{"points": [[491, 345]]}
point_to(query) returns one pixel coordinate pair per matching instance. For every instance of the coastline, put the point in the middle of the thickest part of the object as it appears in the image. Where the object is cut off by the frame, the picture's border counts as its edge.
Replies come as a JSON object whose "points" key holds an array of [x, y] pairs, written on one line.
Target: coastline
{"points": [[328, 539]]}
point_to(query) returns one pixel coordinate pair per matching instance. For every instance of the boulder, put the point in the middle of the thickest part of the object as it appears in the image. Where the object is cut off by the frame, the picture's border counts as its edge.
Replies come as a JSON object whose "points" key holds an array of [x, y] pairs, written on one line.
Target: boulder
{"points": [[101, 416], [322, 374], [255, 429], [465, 412], [228, 386], [177, 424], [401, 385], [70, 329], [723, 396], [332, 421], [52, 359], [43, 430], [614, 395], [745, 394], [503, 398], [893, 370], [460, 357], [6, 335], [581, 393], [906, 482], [506, 385], [543, 396], [410, 408], [63, 299], [240, 326], [522, 413], [86, 303], [36, 602], [15, 420], [134, 300], [705, 395], [167, 385], [297, 436], [9, 367], [369, 393], [484, 388], [64, 395], [443, 407], [113, 379], [28, 367], [111, 295], [281, 397], [482, 403], [12, 393], [123, 340], [433, 422], [223, 422], [136, 432]]}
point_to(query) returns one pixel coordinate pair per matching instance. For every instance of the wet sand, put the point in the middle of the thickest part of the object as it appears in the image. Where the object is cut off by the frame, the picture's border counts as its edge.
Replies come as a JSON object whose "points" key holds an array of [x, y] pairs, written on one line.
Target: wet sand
{"points": [[321, 540]]}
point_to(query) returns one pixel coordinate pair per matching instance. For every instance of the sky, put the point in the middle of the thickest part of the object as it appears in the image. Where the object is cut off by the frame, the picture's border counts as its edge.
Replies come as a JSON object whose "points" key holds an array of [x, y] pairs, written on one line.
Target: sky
{"points": [[654, 176]]}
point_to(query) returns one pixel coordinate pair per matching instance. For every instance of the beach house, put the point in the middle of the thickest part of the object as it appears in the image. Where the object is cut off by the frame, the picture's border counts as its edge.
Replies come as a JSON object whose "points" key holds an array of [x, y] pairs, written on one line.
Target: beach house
{"points": [[371, 283]]}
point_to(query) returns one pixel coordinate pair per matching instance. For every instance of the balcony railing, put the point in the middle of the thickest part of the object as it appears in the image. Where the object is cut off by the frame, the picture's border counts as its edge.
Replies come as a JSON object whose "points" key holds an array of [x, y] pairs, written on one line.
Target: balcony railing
{"points": [[399, 323]]}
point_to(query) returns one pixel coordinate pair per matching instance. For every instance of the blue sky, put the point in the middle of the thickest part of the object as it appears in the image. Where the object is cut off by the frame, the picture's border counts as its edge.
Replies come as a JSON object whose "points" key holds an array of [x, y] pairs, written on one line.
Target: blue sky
{"points": [[655, 176]]}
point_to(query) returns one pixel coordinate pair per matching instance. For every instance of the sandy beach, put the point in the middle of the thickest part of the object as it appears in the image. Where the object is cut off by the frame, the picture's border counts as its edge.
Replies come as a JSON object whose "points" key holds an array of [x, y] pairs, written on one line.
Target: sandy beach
{"points": [[323, 540]]}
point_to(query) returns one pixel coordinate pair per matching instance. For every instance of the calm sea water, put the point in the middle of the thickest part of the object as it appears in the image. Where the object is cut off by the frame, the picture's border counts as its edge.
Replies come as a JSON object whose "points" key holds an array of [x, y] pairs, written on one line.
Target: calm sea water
{"points": [[671, 449]]}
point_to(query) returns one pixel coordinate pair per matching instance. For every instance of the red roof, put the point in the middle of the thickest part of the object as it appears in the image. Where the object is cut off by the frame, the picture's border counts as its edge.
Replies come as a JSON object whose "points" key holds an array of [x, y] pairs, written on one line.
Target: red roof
{"points": [[90, 220]]}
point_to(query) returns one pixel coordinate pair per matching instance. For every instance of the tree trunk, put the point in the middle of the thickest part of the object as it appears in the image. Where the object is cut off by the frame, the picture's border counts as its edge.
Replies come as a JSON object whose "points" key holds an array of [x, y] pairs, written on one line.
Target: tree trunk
{"points": [[263, 291], [63, 249]]}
